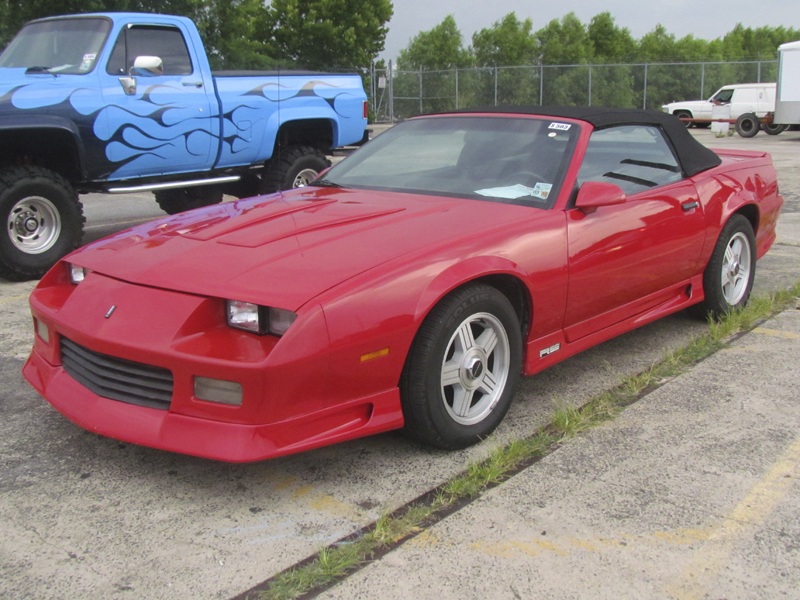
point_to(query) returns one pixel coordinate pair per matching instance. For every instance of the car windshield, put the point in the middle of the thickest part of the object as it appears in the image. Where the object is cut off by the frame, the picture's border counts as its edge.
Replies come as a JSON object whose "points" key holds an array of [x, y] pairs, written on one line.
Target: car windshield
{"points": [[723, 96], [57, 46], [504, 159]]}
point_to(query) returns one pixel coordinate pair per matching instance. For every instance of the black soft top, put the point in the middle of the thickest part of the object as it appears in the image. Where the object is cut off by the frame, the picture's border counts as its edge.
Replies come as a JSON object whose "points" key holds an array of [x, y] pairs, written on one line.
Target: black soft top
{"points": [[692, 155]]}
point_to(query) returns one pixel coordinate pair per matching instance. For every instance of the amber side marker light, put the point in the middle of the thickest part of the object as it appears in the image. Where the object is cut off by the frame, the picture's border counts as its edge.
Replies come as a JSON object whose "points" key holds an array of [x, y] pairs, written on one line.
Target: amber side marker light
{"points": [[376, 354]]}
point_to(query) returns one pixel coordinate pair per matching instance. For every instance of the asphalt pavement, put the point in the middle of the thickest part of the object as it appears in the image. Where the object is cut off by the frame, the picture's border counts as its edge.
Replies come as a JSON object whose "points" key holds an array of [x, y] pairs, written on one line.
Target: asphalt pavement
{"points": [[691, 493]]}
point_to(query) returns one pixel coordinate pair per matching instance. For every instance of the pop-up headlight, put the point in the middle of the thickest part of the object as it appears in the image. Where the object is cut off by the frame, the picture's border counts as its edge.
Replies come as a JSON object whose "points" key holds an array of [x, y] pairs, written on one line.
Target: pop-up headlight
{"points": [[258, 319], [76, 273]]}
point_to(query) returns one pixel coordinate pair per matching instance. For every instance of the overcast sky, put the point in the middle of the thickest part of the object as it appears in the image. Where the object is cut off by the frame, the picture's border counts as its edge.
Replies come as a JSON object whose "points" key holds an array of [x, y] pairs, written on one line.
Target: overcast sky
{"points": [[705, 19]]}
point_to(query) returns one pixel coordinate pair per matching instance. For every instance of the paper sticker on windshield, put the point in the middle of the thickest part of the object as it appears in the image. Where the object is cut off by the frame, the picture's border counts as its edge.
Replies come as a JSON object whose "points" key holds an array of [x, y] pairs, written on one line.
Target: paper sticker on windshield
{"points": [[542, 190], [560, 126], [515, 192], [88, 59]]}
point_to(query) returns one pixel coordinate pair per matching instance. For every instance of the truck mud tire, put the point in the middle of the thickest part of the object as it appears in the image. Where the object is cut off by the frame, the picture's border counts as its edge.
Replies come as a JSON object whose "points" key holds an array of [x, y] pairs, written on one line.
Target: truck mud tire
{"points": [[43, 221], [773, 129], [747, 125], [294, 167], [177, 201]]}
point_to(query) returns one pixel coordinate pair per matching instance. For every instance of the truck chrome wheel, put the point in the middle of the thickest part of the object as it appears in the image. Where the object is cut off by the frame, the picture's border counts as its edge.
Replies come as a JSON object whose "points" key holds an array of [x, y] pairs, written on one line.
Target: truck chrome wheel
{"points": [[34, 225], [304, 177], [475, 368], [736, 269]]}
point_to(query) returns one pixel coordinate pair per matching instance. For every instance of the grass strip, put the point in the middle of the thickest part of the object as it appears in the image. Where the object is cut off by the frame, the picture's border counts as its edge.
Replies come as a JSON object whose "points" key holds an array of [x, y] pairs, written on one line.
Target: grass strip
{"points": [[334, 563]]}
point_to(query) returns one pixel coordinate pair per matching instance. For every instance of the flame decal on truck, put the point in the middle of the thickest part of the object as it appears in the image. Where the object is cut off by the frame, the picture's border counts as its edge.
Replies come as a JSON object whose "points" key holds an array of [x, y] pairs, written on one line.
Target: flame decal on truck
{"points": [[164, 129]]}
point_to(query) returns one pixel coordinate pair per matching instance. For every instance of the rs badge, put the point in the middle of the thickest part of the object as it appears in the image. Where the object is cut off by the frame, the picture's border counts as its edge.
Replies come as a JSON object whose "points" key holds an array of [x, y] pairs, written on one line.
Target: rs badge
{"points": [[550, 350]]}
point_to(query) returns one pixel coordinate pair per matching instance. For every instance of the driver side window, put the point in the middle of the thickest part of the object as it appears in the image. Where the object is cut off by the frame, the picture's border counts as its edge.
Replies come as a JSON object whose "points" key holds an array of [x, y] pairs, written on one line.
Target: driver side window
{"points": [[147, 40], [634, 157]]}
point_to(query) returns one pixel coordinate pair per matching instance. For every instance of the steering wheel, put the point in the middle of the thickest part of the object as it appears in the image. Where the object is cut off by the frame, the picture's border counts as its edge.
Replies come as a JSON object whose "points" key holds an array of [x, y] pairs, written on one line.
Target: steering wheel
{"points": [[527, 178]]}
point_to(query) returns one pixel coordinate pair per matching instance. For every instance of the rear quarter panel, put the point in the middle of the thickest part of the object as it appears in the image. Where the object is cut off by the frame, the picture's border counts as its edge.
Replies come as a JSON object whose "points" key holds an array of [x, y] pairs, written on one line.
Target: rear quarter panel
{"points": [[745, 182], [255, 106]]}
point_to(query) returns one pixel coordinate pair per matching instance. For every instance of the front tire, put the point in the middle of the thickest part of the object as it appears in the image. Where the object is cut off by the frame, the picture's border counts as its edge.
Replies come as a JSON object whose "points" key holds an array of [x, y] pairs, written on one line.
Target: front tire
{"points": [[684, 114], [728, 278], [43, 220], [747, 125], [297, 166], [460, 374]]}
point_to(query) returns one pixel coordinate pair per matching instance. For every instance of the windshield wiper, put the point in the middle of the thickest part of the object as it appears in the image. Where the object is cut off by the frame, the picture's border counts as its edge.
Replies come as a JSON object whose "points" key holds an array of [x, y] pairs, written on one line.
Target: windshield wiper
{"points": [[39, 70], [326, 183]]}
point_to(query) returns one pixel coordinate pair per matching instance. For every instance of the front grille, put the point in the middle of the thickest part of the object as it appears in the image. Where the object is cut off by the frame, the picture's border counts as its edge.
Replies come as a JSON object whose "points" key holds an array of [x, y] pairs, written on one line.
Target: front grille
{"points": [[117, 378]]}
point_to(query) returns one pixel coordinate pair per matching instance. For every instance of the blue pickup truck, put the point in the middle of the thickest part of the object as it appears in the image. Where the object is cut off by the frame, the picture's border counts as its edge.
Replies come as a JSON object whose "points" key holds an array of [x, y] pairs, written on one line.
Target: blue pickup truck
{"points": [[127, 102]]}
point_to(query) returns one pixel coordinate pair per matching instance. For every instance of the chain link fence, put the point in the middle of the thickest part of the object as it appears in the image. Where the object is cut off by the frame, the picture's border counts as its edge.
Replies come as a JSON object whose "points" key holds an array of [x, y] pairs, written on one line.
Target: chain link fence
{"points": [[396, 95]]}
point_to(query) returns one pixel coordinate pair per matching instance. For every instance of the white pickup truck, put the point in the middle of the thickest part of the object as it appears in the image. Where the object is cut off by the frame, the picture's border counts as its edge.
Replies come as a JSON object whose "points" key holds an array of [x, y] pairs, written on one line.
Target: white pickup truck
{"points": [[749, 103]]}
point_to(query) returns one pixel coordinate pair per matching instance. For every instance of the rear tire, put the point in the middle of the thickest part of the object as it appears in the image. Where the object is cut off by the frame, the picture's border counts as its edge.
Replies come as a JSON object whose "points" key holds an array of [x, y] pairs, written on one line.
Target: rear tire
{"points": [[177, 201], [460, 373], [773, 129], [731, 270], [294, 167], [43, 220], [747, 125]]}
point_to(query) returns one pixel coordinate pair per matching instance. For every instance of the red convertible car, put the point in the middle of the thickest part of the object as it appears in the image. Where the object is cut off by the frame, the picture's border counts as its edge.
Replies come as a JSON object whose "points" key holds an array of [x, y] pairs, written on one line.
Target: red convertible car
{"points": [[407, 287]]}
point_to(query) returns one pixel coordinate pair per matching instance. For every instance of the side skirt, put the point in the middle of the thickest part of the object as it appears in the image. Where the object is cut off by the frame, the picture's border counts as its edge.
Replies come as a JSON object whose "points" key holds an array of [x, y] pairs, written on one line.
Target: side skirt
{"points": [[550, 349]]}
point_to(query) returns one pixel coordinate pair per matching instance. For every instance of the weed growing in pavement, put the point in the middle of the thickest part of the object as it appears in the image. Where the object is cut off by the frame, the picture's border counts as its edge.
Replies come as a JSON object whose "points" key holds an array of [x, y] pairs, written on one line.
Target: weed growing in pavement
{"points": [[336, 562]]}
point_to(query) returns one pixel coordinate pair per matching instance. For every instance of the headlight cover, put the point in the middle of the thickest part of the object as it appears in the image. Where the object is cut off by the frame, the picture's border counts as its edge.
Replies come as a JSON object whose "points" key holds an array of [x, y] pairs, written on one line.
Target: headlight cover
{"points": [[260, 320], [76, 274]]}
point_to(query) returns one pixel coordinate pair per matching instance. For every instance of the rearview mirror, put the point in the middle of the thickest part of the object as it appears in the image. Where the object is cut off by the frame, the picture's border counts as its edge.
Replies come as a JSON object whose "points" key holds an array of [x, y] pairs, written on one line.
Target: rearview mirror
{"points": [[594, 194]]}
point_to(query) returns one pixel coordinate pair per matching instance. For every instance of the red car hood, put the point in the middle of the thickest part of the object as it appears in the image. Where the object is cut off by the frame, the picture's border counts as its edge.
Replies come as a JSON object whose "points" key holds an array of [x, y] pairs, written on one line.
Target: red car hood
{"points": [[285, 249]]}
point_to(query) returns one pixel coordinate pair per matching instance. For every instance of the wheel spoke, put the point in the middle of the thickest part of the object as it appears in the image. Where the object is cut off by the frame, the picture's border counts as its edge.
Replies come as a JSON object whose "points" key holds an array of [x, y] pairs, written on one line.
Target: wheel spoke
{"points": [[487, 341], [450, 373], [488, 383], [736, 247], [462, 400], [465, 336], [729, 256]]}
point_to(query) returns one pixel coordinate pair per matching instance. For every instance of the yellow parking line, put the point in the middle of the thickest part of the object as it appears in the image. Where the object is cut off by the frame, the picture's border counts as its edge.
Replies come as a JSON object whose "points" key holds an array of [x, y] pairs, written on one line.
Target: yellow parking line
{"points": [[777, 333], [697, 578], [12, 298]]}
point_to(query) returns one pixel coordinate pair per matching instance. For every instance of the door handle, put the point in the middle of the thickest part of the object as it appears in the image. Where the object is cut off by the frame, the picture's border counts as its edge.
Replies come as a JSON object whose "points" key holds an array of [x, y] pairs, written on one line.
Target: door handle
{"points": [[686, 206], [197, 84]]}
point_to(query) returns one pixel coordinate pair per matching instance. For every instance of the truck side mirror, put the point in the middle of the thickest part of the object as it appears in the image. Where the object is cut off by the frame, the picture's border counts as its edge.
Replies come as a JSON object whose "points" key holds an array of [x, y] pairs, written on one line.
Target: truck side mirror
{"points": [[594, 194], [147, 66]]}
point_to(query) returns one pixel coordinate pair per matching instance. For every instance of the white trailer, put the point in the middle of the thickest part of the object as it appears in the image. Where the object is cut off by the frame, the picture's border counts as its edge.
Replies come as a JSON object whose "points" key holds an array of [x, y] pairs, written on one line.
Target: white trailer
{"points": [[787, 101]]}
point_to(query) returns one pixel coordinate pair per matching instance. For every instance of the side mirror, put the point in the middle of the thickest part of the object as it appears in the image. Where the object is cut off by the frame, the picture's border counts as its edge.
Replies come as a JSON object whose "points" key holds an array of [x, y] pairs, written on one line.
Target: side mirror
{"points": [[147, 66], [594, 194]]}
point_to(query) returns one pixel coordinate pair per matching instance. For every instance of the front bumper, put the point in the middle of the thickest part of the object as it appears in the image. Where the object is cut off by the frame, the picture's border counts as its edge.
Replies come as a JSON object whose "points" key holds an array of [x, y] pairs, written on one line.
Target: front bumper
{"points": [[287, 404]]}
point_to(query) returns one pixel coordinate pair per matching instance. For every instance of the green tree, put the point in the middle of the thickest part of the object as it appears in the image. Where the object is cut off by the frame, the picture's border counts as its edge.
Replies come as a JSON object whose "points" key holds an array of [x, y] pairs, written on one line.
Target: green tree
{"points": [[326, 34], [426, 78], [440, 48], [611, 85], [610, 43], [564, 42], [509, 42], [229, 31]]}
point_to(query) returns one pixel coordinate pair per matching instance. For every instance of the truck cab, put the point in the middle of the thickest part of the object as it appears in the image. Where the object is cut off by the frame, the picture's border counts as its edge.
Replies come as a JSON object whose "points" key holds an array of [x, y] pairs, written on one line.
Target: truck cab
{"points": [[127, 102]]}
